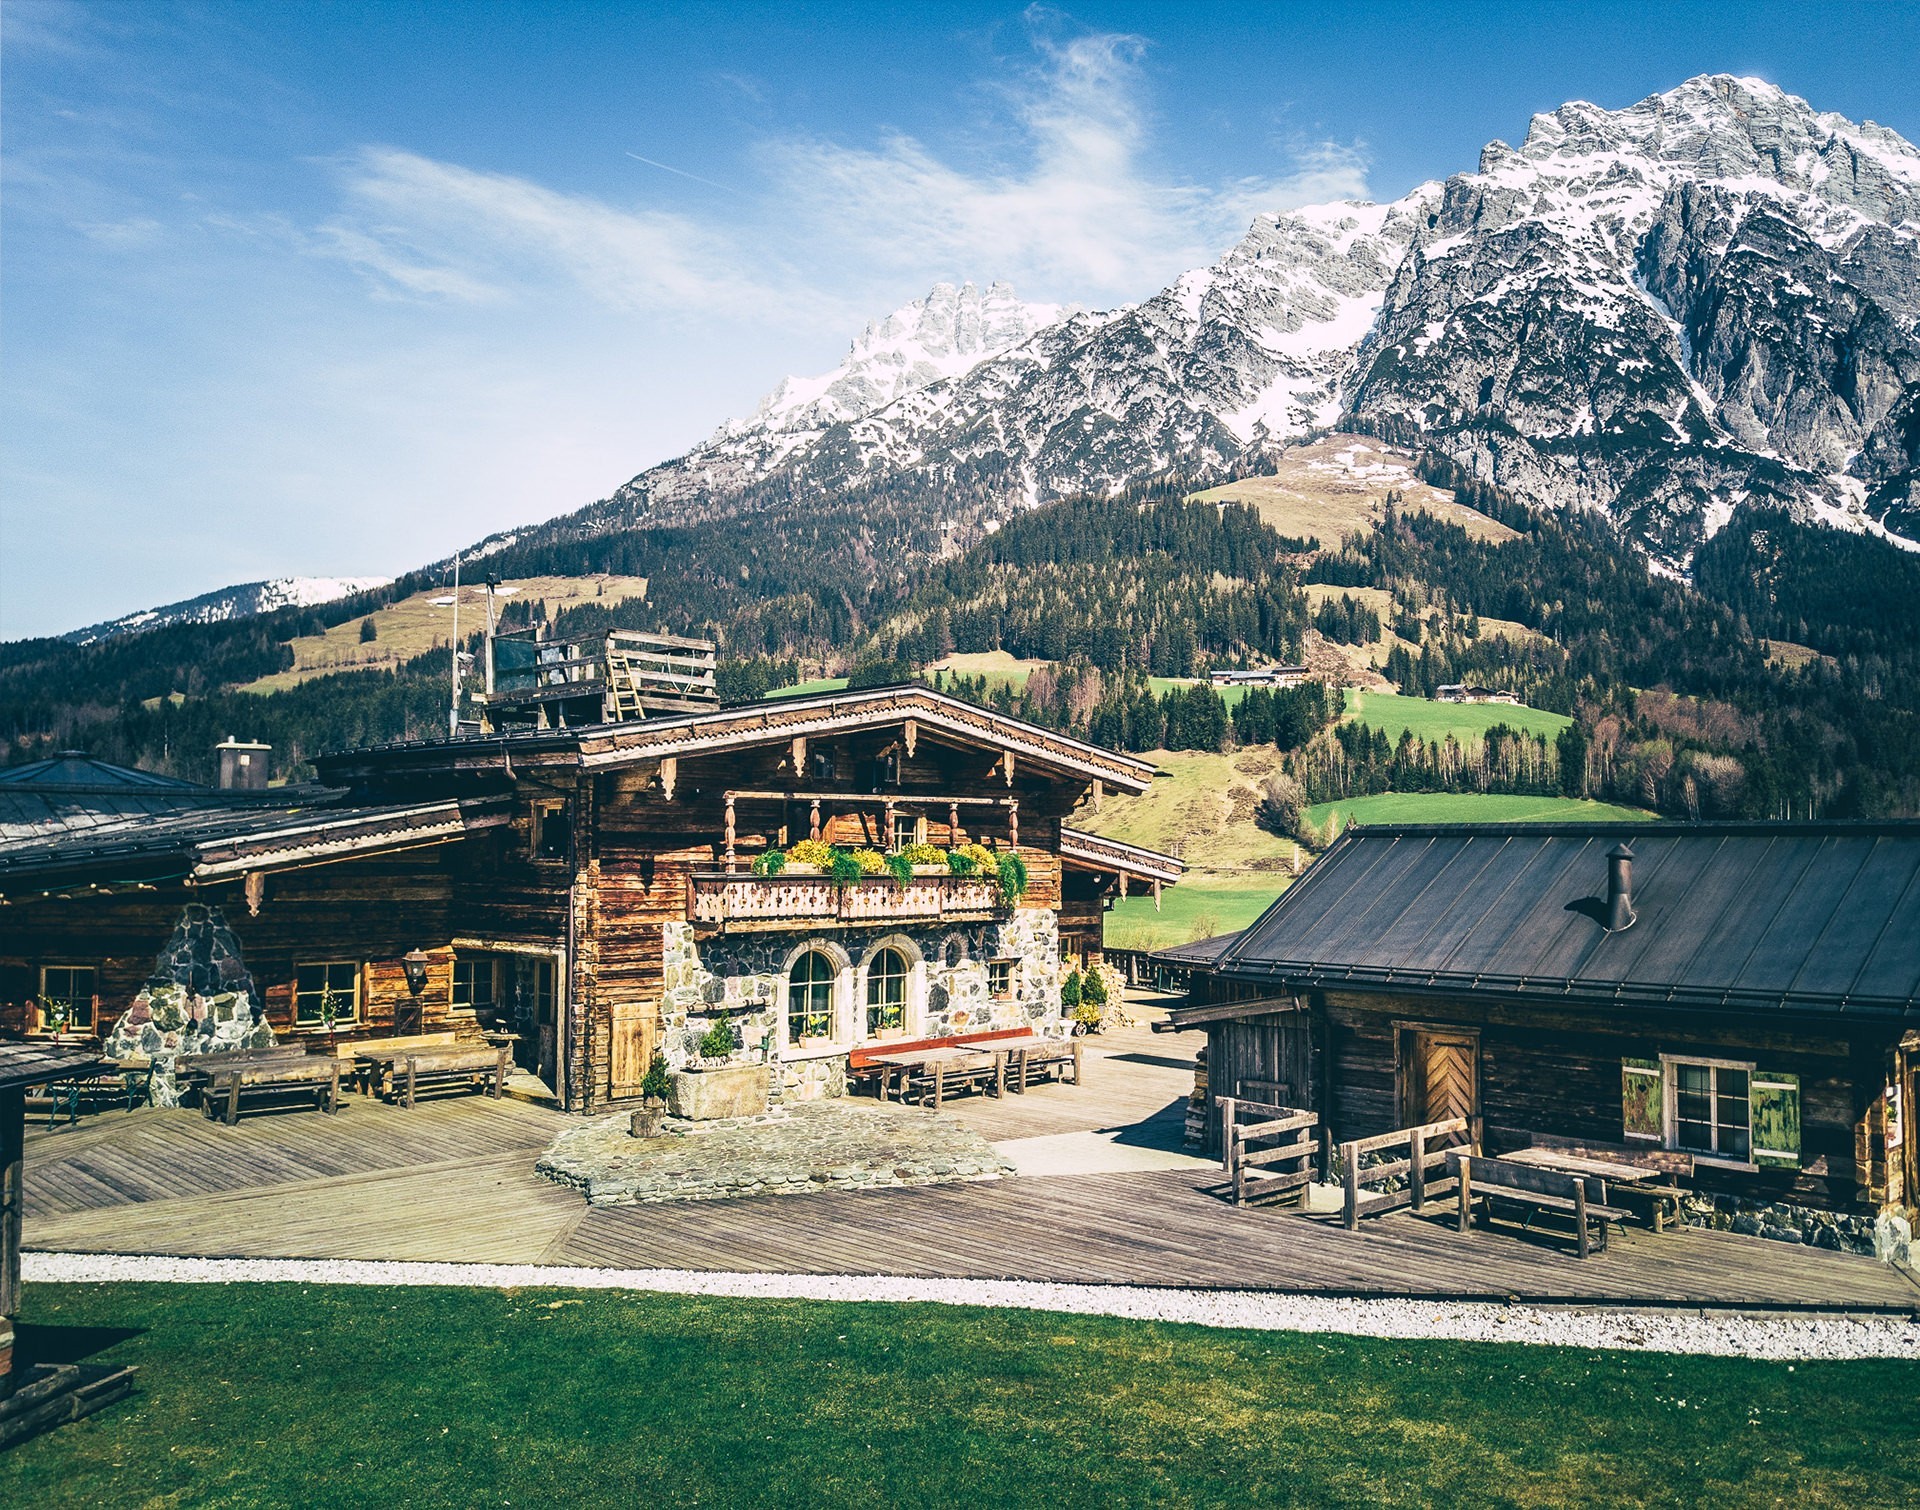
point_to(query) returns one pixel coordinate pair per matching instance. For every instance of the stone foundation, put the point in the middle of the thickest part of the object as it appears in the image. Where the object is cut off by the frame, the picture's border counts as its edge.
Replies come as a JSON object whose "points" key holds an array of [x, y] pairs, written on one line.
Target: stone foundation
{"points": [[740, 979], [1779, 1222]]}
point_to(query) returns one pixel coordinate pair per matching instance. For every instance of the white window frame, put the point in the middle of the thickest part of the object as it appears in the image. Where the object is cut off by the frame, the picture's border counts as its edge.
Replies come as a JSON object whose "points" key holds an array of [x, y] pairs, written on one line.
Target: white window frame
{"points": [[1669, 1107], [909, 1003], [314, 1024], [74, 1025], [1011, 964]]}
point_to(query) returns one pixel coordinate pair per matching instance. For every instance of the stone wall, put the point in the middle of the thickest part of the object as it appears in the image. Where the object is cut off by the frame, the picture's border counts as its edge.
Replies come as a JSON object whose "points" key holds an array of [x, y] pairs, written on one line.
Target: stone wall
{"points": [[1779, 1221], [741, 979]]}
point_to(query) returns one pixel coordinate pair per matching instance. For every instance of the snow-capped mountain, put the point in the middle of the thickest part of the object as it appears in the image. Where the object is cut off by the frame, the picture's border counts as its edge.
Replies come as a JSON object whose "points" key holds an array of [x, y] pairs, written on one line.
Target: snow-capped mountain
{"points": [[231, 603], [933, 340], [1706, 299]]}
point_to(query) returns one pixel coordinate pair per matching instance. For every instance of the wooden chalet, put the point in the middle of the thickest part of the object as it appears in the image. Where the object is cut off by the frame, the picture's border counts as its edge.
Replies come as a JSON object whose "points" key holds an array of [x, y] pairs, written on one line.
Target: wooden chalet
{"points": [[590, 890], [1741, 1002]]}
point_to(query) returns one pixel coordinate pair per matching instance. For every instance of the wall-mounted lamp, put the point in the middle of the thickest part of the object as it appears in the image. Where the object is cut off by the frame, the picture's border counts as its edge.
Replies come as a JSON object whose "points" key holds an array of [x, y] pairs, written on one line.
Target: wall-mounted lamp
{"points": [[415, 964]]}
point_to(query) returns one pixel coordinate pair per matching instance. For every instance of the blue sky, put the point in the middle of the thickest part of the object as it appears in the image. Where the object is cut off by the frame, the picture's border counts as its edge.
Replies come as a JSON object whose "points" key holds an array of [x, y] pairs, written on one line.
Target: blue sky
{"points": [[332, 288]]}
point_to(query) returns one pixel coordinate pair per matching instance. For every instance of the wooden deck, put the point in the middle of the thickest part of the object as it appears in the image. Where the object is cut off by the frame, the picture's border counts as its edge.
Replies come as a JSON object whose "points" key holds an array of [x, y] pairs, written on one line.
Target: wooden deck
{"points": [[453, 1180]]}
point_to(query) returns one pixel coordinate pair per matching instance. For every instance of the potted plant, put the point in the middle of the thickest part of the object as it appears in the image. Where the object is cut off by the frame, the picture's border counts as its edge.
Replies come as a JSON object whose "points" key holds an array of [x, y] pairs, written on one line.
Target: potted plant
{"points": [[56, 1014], [654, 1086]]}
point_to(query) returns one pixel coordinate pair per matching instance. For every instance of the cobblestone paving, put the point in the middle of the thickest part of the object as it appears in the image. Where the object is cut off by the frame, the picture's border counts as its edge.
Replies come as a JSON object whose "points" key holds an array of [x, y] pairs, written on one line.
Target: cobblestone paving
{"points": [[831, 1145]]}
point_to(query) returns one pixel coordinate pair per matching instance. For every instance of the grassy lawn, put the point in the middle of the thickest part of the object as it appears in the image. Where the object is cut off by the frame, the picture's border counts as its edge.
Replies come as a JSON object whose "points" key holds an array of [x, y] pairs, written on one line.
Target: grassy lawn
{"points": [[1436, 720], [1202, 905], [1473, 807], [317, 1396]]}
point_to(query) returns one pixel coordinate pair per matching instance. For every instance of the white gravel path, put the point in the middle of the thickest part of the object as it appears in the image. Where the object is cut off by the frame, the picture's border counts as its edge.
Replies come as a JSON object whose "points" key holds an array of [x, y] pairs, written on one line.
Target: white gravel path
{"points": [[1775, 1336]]}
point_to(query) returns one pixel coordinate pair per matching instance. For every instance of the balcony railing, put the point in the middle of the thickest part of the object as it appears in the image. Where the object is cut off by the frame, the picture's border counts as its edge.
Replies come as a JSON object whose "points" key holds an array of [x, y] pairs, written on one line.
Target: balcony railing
{"points": [[745, 900]]}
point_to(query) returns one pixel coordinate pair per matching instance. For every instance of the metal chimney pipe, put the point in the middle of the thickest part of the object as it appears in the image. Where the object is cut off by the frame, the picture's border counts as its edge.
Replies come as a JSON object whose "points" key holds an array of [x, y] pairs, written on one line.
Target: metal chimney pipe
{"points": [[1619, 888]]}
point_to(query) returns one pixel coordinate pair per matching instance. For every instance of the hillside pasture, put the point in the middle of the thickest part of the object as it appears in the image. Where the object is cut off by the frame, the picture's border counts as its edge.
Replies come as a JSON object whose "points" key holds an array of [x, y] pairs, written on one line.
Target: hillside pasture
{"points": [[1473, 807], [1433, 721], [423, 621], [1338, 485]]}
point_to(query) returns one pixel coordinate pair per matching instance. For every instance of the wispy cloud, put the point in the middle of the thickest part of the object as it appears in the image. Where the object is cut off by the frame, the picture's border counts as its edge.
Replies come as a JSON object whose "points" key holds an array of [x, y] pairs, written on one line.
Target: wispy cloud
{"points": [[1082, 212], [435, 229], [1072, 209]]}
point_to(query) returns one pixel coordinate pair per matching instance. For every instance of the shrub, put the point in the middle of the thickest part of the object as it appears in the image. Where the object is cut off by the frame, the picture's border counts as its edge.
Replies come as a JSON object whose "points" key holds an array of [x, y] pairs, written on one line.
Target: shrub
{"points": [[1070, 994], [844, 868], [961, 863], [654, 1085], [985, 861], [1012, 871], [771, 863], [1088, 1014], [717, 1041], [924, 854], [1093, 990], [815, 852]]}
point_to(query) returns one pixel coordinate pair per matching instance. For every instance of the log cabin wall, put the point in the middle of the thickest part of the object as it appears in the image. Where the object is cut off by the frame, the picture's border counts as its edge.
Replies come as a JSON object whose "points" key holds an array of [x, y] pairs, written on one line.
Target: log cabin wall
{"points": [[367, 912], [1559, 1071], [1267, 1058], [1083, 909]]}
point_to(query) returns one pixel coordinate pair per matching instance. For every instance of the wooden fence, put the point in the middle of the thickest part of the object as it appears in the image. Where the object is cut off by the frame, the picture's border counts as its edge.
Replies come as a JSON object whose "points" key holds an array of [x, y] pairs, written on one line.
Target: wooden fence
{"points": [[1423, 1149], [1257, 1136]]}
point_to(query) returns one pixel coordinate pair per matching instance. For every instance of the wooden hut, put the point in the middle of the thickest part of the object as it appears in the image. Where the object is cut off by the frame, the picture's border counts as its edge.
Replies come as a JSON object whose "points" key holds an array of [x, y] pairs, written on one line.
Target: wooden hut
{"points": [[1744, 996]]}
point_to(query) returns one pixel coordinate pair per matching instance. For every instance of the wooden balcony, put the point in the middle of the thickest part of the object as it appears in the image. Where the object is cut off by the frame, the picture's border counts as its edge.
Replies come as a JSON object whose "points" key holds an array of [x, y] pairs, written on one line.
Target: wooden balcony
{"points": [[743, 901]]}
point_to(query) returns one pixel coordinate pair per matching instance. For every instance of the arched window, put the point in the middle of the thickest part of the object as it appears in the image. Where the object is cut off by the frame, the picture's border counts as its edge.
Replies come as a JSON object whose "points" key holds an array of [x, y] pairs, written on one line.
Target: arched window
{"points": [[810, 997], [886, 993]]}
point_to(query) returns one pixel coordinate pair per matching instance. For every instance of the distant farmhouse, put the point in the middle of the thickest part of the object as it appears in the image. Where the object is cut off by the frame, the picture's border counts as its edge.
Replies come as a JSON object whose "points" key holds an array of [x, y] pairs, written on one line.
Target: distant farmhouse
{"points": [[1259, 676], [1736, 1002], [589, 889], [1458, 692]]}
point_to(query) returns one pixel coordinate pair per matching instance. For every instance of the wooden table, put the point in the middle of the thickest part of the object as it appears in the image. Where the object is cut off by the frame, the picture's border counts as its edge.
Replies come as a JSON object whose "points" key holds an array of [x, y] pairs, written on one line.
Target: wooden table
{"points": [[940, 1062], [1656, 1185]]}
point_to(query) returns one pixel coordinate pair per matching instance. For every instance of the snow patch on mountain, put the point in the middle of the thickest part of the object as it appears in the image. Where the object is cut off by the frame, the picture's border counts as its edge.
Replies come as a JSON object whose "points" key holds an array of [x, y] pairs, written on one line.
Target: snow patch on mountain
{"points": [[239, 602]]}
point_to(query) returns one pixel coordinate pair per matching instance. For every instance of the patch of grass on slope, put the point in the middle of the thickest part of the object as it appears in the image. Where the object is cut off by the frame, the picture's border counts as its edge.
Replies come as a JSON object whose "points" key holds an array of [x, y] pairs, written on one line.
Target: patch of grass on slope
{"points": [[320, 1396], [1434, 721], [1473, 807], [1200, 809]]}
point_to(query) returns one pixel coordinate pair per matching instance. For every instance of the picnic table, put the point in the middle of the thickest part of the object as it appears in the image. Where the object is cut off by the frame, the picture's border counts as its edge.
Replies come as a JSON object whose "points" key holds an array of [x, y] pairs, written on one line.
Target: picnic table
{"points": [[374, 1058], [935, 1067], [1653, 1186]]}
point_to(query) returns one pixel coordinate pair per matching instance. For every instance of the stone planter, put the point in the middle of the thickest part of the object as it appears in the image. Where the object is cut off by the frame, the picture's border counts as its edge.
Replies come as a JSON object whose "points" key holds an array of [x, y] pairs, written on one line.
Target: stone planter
{"points": [[740, 1090]]}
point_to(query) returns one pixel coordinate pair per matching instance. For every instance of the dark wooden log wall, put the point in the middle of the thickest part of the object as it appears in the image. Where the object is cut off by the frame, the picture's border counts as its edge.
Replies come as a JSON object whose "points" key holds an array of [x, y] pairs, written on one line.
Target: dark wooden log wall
{"points": [[1557, 1070], [368, 911]]}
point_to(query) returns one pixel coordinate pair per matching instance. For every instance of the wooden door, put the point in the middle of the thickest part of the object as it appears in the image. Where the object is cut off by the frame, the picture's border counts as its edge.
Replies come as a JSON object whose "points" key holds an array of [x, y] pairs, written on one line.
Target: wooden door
{"points": [[630, 1050], [1441, 1076]]}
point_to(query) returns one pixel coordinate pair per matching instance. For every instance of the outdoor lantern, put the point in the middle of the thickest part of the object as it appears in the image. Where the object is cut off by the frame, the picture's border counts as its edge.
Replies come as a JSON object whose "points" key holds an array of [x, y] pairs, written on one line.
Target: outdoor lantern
{"points": [[416, 967]]}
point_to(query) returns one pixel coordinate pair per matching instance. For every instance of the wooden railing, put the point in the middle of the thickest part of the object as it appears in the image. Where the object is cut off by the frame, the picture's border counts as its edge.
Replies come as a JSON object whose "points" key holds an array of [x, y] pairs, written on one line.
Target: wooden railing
{"points": [[746, 900], [1425, 1149], [1250, 1150]]}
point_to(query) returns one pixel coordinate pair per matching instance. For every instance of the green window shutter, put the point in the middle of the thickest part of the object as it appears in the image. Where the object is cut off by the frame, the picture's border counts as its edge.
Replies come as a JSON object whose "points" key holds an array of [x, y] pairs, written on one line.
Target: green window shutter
{"points": [[1642, 1098], [1776, 1120]]}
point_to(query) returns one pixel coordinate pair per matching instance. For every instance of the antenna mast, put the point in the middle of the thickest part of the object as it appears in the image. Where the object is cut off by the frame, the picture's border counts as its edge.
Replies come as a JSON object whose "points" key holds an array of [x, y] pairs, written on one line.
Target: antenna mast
{"points": [[453, 714]]}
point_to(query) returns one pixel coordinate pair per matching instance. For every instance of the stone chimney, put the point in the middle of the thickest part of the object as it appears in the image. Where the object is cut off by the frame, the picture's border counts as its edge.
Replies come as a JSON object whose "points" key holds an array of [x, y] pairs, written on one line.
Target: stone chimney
{"points": [[1619, 888], [243, 767]]}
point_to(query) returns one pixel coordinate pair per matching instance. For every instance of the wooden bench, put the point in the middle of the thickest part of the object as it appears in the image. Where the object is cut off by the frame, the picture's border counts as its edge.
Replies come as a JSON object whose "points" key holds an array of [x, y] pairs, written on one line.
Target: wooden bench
{"points": [[317, 1078], [194, 1072], [1583, 1197], [481, 1069], [1050, 1059]]}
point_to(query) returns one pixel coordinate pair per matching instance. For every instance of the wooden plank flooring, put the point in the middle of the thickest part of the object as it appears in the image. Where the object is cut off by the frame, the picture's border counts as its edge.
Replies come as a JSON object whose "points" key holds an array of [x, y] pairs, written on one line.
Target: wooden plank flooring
{"points": [[453, 1181]]}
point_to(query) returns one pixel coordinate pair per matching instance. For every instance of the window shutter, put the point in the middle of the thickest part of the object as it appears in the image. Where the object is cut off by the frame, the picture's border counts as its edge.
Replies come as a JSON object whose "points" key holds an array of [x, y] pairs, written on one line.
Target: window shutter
{"points": [[1776, 1120], [1642, 1098]]}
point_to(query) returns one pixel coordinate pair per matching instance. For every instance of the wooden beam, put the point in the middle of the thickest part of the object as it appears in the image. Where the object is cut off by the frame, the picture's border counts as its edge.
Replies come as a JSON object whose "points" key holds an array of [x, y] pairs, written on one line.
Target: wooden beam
{"points": [[669, 774], [912, 737], [800, 755]]}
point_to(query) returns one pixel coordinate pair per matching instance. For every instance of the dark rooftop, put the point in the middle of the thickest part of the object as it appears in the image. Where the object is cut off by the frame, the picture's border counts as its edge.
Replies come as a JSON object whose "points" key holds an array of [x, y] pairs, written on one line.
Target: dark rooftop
{"points": [[30, 1063], [1205, 951], [1822, 916]]}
